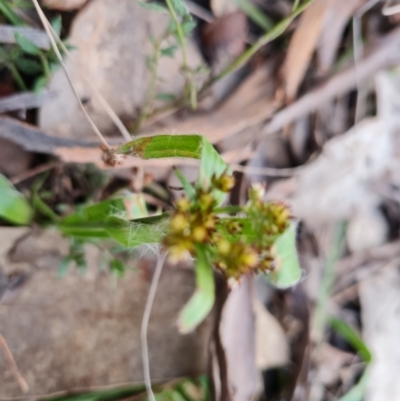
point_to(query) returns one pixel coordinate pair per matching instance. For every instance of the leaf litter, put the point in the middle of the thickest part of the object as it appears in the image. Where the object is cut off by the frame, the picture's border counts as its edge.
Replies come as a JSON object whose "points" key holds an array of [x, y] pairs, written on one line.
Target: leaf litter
{"points": [[288, 88]]}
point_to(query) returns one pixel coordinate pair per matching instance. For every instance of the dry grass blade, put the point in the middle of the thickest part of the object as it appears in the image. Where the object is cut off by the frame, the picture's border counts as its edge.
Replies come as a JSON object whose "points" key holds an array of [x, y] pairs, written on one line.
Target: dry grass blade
{"points": [[145, 325], [13, 365], [55, 48], [113, 116], [302, 46]]}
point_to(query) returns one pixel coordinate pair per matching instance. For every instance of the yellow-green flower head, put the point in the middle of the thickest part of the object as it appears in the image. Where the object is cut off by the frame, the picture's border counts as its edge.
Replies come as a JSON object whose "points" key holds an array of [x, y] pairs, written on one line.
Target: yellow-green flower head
{"points": [[224, 183]]}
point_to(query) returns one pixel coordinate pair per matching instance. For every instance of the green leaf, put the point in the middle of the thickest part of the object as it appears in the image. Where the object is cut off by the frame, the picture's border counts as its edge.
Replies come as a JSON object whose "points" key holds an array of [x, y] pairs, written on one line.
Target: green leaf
{"points": [[165, 97], [202, 301], [56, 24], [186, 185], [28, 66], [351, 337], [153, 6], [108, 219], [39, 84], [42, 208], [135, 206], [13, 206], [287, 268], [179, 7], [26, 45], [188, 26], [137, 232], [185, 146], [117, 267], [169, 51], [9, 13]]}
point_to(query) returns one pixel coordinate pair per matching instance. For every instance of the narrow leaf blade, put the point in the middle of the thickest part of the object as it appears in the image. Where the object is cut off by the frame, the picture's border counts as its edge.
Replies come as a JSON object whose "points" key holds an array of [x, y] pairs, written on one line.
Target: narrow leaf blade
{"points": [[163, 146], [179, 7], [26, 45], [202, 301], [186, 185], [351, 337]]}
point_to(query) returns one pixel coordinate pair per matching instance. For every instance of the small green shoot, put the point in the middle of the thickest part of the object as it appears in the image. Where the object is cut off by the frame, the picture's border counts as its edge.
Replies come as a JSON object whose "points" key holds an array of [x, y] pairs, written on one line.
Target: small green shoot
{"points": [[352, 338]]}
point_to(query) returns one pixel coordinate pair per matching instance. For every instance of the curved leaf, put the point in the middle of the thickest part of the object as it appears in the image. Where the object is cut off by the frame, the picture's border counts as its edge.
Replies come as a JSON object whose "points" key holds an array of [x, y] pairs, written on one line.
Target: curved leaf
{"points": [[186, 146], [13, 206], [202, 301], [26, 45]]}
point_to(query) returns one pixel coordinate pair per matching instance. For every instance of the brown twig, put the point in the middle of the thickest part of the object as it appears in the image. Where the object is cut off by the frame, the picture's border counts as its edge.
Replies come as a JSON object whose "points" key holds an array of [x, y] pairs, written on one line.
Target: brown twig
{"points": [[35, 171], [13, 365]]}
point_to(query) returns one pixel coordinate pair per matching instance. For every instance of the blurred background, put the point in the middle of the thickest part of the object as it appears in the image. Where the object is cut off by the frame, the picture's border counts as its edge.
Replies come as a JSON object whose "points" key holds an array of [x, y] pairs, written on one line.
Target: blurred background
{"points": [[302, 96]]}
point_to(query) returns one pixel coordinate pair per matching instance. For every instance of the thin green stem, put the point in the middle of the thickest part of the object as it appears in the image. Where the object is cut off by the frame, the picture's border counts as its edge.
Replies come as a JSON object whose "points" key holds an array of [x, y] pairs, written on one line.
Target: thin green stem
{"points": [[45, 65], [262, 41], [189, 92], [151, 89], [295, 4], [17, 76], [8, 12], [179, 31], [244, 57]]}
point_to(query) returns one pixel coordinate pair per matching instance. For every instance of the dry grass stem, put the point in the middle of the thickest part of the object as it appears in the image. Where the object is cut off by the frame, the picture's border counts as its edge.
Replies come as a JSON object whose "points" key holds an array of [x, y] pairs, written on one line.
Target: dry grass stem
{"points": [[145, 325], [13, 365], [59, 57]]}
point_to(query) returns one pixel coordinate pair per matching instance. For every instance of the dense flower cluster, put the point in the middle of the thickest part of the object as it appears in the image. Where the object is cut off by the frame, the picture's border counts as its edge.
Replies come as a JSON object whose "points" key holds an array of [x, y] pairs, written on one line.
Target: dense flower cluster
{"points": [[236, 244]]}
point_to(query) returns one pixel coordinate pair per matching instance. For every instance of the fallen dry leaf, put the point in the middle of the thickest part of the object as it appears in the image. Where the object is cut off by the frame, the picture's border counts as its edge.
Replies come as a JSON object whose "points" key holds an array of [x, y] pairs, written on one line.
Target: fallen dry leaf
{"points": [[380, 310], [302, 45], [340, 180], [337, 17], [237, 328], [272, 348], [249, 105], [382, 54]]}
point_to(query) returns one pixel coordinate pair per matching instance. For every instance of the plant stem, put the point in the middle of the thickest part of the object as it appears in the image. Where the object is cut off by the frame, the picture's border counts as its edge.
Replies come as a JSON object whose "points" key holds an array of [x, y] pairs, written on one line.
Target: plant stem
{"points": [[10, 14], [188, 88], [45, 65], [295, 4], [244, 57], [262, 41], [53, 43], [17, 76], [151, 89]]}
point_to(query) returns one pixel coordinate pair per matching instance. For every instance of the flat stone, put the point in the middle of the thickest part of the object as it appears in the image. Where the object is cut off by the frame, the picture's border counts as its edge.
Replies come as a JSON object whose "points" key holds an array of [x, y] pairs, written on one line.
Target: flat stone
{"points": [[84, 330]]}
